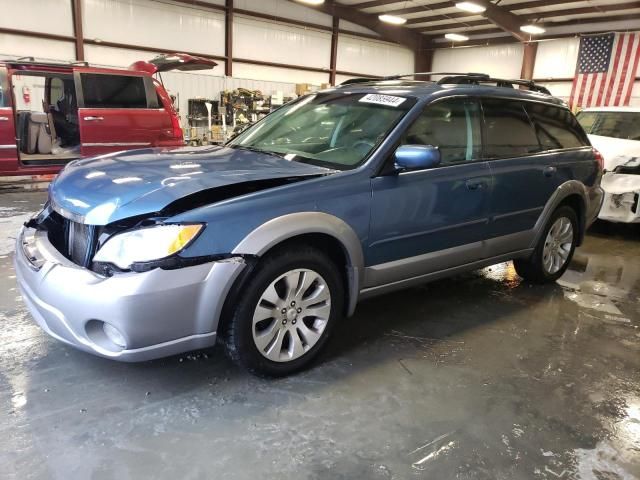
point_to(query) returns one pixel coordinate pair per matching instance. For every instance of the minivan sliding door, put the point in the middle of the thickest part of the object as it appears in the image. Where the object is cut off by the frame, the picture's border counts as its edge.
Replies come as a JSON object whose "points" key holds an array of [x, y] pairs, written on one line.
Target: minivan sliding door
{"points": [[8, 145], [118, 112]]}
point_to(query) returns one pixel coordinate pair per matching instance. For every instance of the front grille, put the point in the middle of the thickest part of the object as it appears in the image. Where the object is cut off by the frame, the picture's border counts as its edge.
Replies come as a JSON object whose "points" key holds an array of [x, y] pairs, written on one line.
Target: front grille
{"points": [[79, 241], [76, 241]]}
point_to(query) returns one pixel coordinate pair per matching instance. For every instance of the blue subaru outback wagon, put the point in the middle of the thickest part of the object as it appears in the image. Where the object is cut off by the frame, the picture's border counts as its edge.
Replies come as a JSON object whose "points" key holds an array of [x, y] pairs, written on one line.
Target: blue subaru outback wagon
{"points": [[268, 242]]}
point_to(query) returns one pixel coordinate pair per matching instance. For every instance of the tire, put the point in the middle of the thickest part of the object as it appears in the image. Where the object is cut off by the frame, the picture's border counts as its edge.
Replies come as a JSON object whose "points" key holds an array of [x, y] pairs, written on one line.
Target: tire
{"points": [[267, 331], [553, 253]]}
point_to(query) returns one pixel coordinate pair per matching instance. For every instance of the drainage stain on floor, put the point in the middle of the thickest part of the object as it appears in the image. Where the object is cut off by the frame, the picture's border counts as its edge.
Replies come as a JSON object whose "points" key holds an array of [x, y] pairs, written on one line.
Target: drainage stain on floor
{"points": [[481, 376]]}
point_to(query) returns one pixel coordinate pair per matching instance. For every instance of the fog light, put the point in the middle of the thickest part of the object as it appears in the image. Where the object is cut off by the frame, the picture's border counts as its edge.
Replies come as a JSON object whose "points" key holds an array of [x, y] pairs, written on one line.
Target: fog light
{"points": [[114, 335]]}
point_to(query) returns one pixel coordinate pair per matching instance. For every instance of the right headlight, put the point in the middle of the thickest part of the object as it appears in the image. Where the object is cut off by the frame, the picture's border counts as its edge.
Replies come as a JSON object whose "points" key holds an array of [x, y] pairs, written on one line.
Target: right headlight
{"points": [[146, 244]]}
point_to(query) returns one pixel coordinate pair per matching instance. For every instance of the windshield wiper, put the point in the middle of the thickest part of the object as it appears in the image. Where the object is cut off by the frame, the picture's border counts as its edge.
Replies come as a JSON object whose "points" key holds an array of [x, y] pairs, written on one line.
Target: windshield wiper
{"points": [[257, 150]]}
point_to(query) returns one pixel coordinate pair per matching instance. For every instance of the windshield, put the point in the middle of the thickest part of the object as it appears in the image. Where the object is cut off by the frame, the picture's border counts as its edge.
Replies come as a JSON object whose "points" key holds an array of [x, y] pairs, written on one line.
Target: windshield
{"points": [[625, 125], [333, 130]]}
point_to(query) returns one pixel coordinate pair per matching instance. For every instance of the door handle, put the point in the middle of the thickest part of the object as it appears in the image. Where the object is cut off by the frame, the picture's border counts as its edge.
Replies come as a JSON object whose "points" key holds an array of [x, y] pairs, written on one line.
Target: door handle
{"points": [[549, 171], [475, 184], [93, 119], [4, 119]]}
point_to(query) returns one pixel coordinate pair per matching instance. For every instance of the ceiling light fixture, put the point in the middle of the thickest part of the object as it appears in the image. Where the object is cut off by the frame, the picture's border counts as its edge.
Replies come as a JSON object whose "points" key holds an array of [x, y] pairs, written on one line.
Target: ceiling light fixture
{"points": [[392, 19], [471, 7], [532, 29], [312, 2], [456, 37]]}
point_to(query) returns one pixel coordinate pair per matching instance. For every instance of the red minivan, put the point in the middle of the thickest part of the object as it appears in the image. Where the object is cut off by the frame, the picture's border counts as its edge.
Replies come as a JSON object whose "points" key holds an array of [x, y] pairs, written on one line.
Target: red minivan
{"points": [[52, 113]]}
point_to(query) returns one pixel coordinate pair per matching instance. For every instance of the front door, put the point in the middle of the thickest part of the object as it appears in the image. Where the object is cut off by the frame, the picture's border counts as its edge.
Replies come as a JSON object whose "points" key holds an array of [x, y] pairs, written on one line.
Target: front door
{"points": [[429, 220], [119, 112], [8, 144]]}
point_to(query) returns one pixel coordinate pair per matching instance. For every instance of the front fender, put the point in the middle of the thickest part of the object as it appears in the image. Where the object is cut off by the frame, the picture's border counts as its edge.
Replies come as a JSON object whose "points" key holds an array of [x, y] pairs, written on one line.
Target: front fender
{"points": [[282, 228]]}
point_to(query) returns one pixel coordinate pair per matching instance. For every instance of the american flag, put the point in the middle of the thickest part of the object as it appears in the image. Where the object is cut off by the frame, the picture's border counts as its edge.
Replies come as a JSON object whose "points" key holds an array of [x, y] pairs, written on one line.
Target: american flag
{"points": [[606, 70]]}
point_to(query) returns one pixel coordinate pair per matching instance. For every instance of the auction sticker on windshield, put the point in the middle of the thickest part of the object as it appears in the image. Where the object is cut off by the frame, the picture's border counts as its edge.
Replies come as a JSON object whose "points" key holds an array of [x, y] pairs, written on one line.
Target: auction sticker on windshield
{"points": [[387, 100]]}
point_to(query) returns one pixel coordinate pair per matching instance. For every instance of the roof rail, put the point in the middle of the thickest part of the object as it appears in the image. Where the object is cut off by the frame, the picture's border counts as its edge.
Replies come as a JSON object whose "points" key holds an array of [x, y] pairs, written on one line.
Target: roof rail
{"points": [[477, 79], [470, 78]]}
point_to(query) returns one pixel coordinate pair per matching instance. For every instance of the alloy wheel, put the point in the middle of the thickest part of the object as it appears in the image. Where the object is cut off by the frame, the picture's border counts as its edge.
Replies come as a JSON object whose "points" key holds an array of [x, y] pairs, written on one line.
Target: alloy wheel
{"points": [[291, 315], [557, 245]]}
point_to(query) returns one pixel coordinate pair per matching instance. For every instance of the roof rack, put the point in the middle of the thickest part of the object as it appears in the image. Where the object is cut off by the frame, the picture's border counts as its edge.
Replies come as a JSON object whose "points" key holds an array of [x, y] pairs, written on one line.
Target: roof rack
{"points": [[458, 78], [478, 78]]}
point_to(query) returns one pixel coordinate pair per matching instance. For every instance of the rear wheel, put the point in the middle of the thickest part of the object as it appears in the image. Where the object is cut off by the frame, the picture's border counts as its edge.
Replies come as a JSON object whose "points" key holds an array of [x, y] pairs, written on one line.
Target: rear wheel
{"points": [[555, 249], [285, 313]]}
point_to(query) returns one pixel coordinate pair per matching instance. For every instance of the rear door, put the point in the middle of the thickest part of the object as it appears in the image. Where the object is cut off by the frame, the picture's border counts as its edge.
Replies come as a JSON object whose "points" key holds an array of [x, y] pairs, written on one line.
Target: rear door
{"points": [[525, 171], [8, 145], [120, 112]]}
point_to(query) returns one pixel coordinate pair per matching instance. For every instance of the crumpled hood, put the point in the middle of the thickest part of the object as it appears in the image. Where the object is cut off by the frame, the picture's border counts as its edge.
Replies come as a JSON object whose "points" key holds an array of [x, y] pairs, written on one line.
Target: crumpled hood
{"points": [[104, 189], [615, 151]]}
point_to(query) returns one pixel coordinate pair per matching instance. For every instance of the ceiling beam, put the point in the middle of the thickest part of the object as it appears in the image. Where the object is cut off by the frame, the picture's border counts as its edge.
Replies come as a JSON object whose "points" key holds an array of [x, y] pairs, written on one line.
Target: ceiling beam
{"points": [[395, 34], [535, 16], [432, 8], [501, 40], [503, 18]]}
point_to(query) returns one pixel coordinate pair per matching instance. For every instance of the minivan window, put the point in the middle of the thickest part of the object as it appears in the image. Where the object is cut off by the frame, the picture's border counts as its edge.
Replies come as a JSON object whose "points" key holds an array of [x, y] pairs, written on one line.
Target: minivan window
{"points": [[453, 126], [556, 127], [509, 132], [624, 125], [4, 88], [113, 91]]}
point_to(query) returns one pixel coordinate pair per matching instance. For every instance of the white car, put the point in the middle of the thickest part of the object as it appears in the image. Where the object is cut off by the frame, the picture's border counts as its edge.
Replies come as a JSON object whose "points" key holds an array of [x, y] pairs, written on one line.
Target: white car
{"points": [[615, 132]]}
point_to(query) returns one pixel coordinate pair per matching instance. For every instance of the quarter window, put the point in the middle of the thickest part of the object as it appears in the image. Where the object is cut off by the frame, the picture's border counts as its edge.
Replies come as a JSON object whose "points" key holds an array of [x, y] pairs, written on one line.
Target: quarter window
{"points": [[451, 125], [556, 127], [113, 91], [509, 132]]}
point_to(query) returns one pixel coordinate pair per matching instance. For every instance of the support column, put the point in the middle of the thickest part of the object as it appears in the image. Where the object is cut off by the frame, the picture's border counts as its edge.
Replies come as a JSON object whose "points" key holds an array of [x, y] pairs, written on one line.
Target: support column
{"points": [[228, 39], [423, 59], [528, 60], [334, 50], [76, 12]]}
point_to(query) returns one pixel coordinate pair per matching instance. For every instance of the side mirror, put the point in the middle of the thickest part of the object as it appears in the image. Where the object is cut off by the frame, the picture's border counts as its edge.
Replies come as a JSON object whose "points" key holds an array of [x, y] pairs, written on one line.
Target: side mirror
{"points": [[412, 157]]}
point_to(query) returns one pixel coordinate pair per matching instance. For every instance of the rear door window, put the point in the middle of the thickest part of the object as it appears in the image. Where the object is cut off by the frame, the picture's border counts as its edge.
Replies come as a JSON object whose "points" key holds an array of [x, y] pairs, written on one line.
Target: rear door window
{"points": [[556, 127], [453, 126], [508, 130], [113, 91]]}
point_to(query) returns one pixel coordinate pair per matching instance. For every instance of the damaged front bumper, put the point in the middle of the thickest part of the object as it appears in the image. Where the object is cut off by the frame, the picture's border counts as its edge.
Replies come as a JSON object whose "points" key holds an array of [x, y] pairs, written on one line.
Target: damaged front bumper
{"points": [[128, 316], [621, 197]]}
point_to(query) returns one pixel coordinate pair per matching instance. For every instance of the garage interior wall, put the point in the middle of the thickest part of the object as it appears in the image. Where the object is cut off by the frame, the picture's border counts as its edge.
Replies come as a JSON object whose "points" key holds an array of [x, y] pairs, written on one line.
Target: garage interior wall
{"points": [[161, 24], [554, 67]]}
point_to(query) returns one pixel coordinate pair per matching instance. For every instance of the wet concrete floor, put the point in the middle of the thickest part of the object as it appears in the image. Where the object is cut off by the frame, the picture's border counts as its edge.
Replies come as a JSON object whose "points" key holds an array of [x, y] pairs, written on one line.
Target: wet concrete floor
{"points": [[476, 377]]}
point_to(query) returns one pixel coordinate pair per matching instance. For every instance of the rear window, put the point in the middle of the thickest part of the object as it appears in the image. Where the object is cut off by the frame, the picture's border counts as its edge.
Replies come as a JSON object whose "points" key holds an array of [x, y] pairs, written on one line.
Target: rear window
{"points": [[509, 133], [113, 91], [556, 127], [625, 125]]}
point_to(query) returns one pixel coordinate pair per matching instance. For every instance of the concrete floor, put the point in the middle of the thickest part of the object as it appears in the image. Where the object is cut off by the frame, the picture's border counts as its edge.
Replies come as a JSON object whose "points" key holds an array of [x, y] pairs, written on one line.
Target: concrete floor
{"points": [[477, 377]]}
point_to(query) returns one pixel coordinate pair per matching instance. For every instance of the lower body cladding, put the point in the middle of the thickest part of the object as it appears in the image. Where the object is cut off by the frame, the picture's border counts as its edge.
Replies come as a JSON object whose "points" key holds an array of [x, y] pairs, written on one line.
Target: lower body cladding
{"points": [[621, 200], [129, 316]]}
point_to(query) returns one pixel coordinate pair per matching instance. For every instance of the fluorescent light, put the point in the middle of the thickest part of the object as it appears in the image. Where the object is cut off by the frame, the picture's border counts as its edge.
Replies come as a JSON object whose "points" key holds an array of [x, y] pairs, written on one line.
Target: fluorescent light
{"points": [[456, 37], [312, 2], [532, 29], [471, 7], [392, 19]]}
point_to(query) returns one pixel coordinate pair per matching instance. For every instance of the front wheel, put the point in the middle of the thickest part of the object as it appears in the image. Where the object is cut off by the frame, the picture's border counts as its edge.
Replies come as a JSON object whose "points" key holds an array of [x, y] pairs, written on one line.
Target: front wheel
{"points": [[285, 312], [554, 251]]}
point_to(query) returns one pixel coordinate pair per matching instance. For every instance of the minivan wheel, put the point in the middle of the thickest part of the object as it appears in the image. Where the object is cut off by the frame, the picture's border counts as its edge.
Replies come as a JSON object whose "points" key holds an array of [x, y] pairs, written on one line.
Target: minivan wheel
{"points": [[555, 249], [285, 313]]}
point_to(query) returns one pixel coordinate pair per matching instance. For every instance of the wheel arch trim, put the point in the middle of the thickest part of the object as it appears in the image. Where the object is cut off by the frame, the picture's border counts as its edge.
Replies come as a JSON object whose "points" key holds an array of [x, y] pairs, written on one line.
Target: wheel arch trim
{"points": [[285, 227], [564, 191]]}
